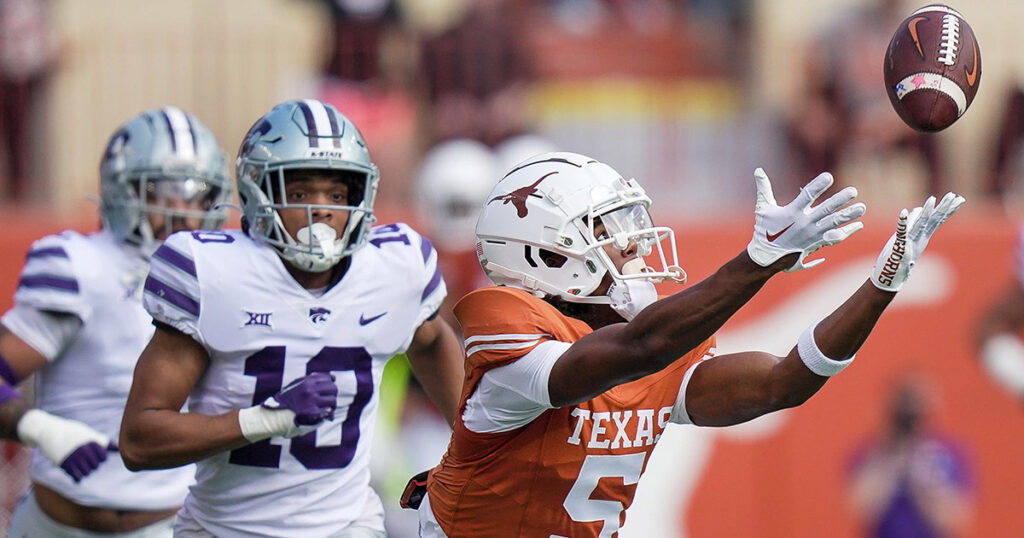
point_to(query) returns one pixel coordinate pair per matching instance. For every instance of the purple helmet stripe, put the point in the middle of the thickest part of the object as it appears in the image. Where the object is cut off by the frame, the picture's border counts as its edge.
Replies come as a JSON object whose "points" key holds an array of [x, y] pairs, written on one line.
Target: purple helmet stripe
{"points": [[172, 296], [192, 132], [177, 259], [49, 281], [426, 248], [432, 285], [335, 130], [170, 130], [47, 252], [312, 132]]}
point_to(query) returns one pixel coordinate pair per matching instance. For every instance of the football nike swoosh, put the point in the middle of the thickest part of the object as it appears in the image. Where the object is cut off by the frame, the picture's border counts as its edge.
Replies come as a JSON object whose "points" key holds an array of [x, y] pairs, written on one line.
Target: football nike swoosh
{"points": [[912, 26], [972, 75], [363, 320], [774, 236]]}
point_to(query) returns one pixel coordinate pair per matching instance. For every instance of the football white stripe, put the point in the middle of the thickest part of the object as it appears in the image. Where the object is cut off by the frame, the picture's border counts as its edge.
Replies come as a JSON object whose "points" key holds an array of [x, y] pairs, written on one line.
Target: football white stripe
{"points": [[513, 345], [933, 81], [942, 9], [500, 337], [323, 123]]}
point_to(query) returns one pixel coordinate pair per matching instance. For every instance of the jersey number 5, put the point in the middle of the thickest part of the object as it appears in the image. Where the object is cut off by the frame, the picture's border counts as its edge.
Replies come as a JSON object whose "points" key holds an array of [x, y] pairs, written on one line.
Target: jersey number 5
{"points": [[582, 508], [267, 366]]}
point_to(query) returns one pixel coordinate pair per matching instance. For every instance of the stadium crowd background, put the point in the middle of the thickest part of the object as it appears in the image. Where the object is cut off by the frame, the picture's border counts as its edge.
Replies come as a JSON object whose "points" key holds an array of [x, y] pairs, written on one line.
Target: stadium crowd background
{"points": [[688, 96]]}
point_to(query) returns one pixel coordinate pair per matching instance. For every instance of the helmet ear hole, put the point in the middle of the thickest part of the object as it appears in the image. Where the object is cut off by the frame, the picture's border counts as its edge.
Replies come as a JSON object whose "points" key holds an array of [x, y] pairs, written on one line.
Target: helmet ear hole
{"points": [[552, 259]]}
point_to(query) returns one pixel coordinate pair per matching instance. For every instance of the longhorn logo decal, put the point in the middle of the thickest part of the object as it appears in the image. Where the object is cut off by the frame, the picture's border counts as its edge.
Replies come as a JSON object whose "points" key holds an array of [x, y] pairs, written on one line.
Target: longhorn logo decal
{"points": [[518, 197]]}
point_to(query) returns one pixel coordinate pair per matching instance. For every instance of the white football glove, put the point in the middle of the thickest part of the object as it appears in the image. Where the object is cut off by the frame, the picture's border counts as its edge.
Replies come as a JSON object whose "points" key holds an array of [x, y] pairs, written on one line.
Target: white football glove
{"points": [[913, 230], [64, 442], [798, 227]]}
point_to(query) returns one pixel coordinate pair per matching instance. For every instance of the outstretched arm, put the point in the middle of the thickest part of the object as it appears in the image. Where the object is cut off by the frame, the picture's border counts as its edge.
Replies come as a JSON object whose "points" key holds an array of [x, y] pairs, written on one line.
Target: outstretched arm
{"points": [[668, 329], [735, 388]]}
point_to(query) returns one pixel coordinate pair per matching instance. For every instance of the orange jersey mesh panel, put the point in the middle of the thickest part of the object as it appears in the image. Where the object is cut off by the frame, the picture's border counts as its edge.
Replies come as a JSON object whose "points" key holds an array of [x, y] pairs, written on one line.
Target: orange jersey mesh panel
{"points": [[570, 472]]}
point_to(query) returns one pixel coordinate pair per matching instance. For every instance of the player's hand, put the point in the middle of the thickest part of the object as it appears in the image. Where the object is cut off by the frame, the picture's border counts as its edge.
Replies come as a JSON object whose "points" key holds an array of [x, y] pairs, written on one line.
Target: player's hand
{"points": [[73, 446], [311, 399], [913, 231], [295, 410], [798, 227]]}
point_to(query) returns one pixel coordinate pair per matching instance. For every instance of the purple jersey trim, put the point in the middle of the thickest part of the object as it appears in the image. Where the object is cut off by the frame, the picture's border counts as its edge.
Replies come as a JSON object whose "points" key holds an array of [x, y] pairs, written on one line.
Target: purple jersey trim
{"points": [[177, 259], [432, 285], [426, 248], [47, 252], [49, 281], [7, 373], [172, 296]]}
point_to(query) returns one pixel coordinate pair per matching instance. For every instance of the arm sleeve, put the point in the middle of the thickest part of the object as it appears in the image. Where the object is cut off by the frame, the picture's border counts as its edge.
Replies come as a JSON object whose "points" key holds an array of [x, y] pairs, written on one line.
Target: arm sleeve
{"points": [[511, 396], [49, 333], [172, 291], [49, 281], [434, 289]]}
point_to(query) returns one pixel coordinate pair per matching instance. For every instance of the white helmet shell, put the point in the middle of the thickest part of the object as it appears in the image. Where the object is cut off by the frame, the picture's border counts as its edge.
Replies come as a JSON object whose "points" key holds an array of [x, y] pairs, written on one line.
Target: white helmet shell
{"points": [[536, 231]]}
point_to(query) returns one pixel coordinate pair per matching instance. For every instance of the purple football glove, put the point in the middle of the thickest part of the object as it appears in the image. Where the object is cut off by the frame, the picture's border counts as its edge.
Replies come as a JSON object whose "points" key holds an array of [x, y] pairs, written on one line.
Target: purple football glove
{"points": [[72, 445], [312, 398], [85, 459]]}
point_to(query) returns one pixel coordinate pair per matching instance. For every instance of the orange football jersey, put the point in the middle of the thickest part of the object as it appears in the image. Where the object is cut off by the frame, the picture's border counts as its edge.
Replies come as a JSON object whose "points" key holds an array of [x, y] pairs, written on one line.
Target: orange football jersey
{"points": [[573, 470]]}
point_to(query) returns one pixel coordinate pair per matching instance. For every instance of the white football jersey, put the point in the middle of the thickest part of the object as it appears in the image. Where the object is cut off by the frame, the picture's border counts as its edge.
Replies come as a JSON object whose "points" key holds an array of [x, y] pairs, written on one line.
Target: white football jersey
{"points": [[262, 330], [99, 280]]}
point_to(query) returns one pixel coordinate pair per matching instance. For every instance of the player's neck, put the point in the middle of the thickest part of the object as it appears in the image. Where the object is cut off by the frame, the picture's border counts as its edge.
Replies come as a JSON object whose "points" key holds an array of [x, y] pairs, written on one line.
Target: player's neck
{"points": [[322, 280]]}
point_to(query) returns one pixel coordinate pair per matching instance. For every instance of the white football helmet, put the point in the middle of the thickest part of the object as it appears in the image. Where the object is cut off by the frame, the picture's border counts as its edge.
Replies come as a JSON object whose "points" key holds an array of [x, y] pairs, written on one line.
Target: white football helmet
{"points": [[536, 231], [306, 134], [452, 184], [154, 160]]}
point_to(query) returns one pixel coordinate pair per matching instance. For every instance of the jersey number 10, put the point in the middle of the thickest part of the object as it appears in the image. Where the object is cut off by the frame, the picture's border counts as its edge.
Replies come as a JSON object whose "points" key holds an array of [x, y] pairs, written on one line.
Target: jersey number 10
{"points": [[267, 366]]}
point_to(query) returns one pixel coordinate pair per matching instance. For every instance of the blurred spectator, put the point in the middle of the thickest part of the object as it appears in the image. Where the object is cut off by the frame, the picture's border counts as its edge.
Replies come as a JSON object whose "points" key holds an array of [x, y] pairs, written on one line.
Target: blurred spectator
{"points": [[452, 185], [1008, 162], [475, 73], [844, 117], [28, 53], [997, 334], [367, 74], [911, 482], [517, 149]]}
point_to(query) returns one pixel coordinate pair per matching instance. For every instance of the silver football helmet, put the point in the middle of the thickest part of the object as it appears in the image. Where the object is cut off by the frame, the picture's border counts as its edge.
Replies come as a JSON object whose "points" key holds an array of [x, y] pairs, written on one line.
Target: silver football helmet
{"points": [[452, 184], [536, 231], [162, 162], [306, 134]]}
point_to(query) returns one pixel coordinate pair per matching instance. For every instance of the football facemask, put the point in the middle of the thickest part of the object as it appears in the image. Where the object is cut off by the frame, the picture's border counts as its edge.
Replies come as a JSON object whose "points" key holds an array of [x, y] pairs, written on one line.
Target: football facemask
{"points": [[305, 135], [163, 169]]}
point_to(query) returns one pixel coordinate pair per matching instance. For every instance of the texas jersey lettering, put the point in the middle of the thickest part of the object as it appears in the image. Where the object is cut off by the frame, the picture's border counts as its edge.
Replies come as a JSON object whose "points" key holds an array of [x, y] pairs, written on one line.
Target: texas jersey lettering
{"points": [[572, 471]]}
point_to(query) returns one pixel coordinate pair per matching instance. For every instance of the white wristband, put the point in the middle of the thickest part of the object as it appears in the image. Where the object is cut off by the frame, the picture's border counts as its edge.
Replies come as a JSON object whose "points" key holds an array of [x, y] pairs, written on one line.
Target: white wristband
{"points": [[54, 436], [814, 359], [259, 423]]}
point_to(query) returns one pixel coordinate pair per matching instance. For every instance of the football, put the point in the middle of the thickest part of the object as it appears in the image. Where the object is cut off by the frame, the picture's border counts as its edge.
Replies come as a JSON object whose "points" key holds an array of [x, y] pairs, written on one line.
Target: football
{"points": [[932, 68]]}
